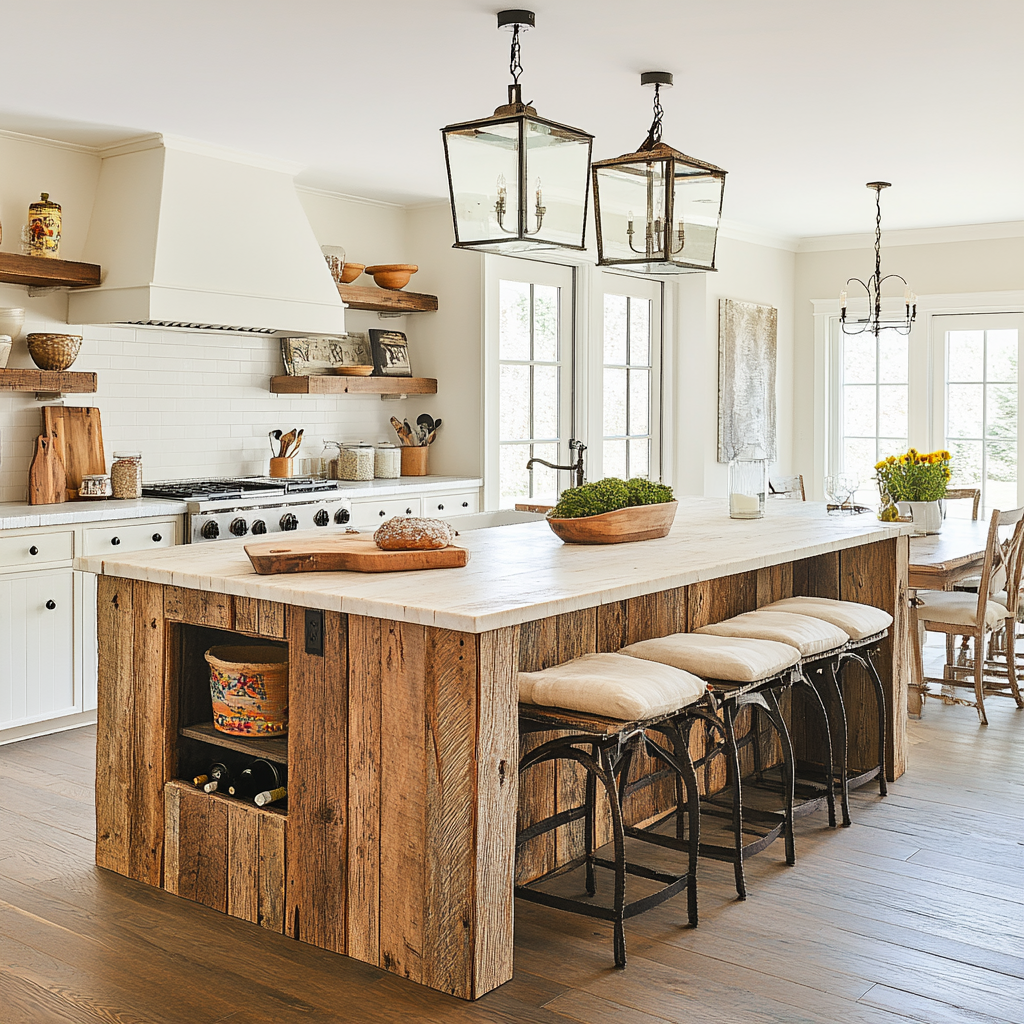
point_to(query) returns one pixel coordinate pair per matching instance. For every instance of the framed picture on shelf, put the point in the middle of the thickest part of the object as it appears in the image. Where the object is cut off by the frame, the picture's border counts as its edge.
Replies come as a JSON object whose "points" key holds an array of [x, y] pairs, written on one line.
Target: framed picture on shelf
{"points": [[390, 354], [324, 355]]}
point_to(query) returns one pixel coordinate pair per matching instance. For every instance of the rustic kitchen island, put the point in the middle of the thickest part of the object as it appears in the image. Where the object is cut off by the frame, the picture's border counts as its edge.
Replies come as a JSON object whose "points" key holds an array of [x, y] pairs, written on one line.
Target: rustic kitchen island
{"points": [[397, 844]]}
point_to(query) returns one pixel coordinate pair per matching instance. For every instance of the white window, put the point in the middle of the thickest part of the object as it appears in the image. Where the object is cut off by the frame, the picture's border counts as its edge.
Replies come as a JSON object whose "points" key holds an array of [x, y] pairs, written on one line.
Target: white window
{"points": [[529, 369], [979, 356], [629, 384]]}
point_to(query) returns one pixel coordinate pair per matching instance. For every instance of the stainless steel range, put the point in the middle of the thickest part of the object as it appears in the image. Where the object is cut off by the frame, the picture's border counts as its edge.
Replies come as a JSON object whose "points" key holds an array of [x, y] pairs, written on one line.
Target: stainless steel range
{"points": [[254, 506]]}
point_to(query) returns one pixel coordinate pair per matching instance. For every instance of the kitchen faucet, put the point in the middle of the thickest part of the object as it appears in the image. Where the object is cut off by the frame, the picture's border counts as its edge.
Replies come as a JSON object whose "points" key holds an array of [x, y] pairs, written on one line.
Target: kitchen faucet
{"points": [[577, 467]]}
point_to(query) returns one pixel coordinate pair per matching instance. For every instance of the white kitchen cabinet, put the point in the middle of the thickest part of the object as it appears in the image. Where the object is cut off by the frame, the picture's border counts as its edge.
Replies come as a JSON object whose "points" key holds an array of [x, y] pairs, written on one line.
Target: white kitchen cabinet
{"points": [[37, 647], [370, 512], [458, 503]]}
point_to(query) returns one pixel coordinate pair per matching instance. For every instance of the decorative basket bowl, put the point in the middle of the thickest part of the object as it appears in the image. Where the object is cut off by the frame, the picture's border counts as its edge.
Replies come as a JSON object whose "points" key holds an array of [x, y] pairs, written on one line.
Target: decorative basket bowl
{"points": [[351, 271], [638, 522], [249, 690], [54, 351], [392, 275]]}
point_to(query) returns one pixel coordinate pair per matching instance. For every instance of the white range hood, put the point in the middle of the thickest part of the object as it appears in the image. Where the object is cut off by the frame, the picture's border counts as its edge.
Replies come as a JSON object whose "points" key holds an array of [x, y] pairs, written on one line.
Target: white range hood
{"points": [[190, 234]]}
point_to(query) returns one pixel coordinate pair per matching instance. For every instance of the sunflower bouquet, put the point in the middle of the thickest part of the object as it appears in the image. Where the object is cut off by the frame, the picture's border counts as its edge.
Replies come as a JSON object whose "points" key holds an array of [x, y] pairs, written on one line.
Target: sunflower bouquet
{"points": [[912, 476]]}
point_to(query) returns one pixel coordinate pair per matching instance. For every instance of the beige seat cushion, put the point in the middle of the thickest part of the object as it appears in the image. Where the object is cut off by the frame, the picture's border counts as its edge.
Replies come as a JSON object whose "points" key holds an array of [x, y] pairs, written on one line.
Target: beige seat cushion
{"points": [[858, 620], [809, 636], [718, 657], [612, 685], [958, 609]]}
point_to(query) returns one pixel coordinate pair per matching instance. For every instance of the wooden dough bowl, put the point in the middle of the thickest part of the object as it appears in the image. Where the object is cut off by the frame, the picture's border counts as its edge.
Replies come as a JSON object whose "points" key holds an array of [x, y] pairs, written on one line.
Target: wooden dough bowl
{"points": [[638, 522], [347, 552]]}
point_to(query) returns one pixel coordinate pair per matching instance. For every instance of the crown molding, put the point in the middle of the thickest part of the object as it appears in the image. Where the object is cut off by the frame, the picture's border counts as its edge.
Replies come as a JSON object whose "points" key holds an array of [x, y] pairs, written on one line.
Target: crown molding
{"points": [[38, 140], [915, 236], [741, 232], [326, 193]]}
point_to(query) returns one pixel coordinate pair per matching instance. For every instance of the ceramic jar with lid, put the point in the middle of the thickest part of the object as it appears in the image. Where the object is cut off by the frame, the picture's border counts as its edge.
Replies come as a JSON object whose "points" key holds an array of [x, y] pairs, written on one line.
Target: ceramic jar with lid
{"points": [[44, 227], [387, 462], [95, 485], [355, 462], [126, 475]]}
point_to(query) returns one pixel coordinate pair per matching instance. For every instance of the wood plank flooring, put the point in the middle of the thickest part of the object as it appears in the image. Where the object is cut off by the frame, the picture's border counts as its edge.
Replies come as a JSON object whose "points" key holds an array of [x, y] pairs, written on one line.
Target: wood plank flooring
{"points": [[916, 913]]}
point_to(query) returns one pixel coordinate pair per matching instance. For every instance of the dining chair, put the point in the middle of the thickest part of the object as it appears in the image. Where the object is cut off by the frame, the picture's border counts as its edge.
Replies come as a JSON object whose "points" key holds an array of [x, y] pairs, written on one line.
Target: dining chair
{"points": [[791, 487], [978, 616], [956, 493]]}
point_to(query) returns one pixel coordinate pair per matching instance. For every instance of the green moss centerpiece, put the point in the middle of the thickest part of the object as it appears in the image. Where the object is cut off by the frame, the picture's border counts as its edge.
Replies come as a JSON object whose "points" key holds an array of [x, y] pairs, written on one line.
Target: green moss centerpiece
{"points": [[613, 511]]}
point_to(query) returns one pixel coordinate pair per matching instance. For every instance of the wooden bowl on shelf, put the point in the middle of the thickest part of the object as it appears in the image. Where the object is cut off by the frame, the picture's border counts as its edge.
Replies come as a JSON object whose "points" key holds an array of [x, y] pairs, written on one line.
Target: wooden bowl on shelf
{"points": [[352, 371], [54, 351], [392, 275], [623, 525], [351, 271]]}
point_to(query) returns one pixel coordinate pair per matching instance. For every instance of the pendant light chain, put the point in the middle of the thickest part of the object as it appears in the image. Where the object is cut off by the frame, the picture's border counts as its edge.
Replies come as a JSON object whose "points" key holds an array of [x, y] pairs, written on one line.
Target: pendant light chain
{"points": [[654, 135], [515, 65]]}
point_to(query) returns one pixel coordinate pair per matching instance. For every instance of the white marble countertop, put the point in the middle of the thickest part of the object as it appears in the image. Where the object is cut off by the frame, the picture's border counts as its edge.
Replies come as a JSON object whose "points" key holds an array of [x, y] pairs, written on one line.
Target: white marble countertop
{"points": [[18, 515], [522, 572]]}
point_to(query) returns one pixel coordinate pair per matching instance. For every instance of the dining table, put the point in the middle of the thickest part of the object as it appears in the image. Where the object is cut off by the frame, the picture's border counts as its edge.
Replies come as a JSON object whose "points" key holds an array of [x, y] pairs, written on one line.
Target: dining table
{"points": [[938, 560]]}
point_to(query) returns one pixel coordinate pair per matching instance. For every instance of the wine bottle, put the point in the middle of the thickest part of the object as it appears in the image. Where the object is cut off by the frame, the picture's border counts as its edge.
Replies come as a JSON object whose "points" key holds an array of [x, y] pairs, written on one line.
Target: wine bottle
{"points": [[271, 796], [259, 776], [200, 780], [219, 778]]}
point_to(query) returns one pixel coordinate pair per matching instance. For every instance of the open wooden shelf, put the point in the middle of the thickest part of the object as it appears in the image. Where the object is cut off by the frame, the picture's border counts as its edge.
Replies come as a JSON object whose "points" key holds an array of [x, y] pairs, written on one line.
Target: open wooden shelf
{"points": [[386, 300], [46, 380], [46, 273], [334, 384], [273, 748]]}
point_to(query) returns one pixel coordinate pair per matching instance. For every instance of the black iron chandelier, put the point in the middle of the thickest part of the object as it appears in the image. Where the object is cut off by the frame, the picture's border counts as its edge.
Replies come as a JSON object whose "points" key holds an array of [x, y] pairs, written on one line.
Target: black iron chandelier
{"points": [[874, 321], [517, 181], [677, 197]]}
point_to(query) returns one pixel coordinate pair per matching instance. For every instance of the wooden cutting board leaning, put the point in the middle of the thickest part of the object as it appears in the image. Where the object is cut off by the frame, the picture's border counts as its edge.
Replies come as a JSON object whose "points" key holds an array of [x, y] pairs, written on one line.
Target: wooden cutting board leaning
{"points": [[46, 477], [77, 440], [347, 552]]}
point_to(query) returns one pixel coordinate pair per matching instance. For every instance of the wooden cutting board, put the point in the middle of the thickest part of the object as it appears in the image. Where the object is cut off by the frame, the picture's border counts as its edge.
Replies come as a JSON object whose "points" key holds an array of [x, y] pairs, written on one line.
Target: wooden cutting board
{"points": [[78, 442], [47, 481], [351, 552]]}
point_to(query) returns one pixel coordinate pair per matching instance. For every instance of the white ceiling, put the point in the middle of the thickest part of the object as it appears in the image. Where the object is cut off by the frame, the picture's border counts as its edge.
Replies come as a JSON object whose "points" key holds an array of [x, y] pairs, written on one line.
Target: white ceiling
{"points": [[802, 101]]}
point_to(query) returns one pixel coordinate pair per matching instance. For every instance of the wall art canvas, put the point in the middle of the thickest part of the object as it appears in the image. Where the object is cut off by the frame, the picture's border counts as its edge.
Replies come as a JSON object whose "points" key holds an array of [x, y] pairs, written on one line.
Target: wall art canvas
{"points": [[747, 335], [390, 354], [319, 356]]}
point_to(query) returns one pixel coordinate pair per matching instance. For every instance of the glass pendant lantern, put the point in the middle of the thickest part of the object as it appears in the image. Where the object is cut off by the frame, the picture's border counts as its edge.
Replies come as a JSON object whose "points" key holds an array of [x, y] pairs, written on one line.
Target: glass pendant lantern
{"points": [[657, 210], [517, 181]]}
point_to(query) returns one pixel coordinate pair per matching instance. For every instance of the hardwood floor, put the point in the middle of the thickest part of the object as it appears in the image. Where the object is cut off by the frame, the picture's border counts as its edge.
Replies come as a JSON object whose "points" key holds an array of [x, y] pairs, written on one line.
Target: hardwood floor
{"points": [[915, 913]]}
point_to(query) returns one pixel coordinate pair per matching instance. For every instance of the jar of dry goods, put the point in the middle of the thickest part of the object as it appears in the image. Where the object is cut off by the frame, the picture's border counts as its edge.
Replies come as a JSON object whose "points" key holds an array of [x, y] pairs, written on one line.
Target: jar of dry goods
{"points": [[126, 475], [387, 462], [355, 462]]}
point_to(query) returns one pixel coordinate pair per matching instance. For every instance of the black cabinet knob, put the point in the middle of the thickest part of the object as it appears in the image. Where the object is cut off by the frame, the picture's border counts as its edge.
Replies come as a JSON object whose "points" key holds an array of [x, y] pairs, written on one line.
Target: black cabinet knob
{"points": [[440, 508], [465, 504], [33, 550], [115, 541], [157, 537], [408, 511], [51, 605], [382, 513]]}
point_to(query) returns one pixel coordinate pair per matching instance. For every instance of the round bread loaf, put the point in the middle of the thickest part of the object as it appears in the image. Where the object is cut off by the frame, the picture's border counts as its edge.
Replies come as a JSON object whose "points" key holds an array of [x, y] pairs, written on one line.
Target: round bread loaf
{"points": [[404, 533]]}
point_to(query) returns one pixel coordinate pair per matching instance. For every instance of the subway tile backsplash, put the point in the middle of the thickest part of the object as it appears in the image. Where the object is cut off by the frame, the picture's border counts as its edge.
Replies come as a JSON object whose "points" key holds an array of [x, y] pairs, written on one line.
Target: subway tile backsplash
{"points": [[194, 403]]}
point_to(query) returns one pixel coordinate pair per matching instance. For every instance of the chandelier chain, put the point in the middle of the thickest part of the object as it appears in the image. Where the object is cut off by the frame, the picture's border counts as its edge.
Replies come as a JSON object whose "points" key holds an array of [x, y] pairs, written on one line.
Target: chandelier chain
{"points": [[654, 135], [515, 65]]}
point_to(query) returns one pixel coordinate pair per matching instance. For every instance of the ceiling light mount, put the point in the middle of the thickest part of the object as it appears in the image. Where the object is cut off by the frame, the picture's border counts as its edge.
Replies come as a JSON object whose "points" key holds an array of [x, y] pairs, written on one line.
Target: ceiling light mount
{"points": [[874, 321]]}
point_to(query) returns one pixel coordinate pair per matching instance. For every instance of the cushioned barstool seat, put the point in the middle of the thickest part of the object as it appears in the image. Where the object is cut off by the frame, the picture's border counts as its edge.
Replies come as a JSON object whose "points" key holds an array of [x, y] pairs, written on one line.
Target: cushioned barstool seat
{"points": [[812, 637], [742, 672], [602, 706], [858, 621]]}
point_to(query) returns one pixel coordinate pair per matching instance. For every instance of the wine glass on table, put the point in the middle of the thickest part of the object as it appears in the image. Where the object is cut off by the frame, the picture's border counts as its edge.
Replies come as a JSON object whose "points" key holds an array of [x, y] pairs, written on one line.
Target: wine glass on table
{"points": [[850, 484], [836, 491]]}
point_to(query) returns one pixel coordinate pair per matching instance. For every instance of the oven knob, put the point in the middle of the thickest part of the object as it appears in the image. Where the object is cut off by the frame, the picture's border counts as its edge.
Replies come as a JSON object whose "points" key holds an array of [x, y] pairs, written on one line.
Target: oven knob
{"points": [[259, 527], [210, 530], [322, 518], [342, 516], [289, 522], [239, 527]]}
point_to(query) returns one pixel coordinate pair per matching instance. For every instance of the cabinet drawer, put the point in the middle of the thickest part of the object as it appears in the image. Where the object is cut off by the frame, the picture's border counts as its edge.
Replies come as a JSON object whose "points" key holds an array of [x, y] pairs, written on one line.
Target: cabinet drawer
{"points": [[372, 513], [30, 549], [458, 504], [101, 540]]}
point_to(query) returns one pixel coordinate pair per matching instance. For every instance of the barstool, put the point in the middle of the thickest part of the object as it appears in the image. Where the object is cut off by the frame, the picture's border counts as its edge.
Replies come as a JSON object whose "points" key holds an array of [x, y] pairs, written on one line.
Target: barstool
{"points": [[608, 705], [820, 644], [741, 672], [866, 626]]}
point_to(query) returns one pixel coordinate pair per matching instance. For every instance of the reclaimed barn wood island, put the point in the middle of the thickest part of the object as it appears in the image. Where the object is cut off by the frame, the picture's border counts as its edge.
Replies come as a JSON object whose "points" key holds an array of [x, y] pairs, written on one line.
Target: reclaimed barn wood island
{"points": [[397, 843]]}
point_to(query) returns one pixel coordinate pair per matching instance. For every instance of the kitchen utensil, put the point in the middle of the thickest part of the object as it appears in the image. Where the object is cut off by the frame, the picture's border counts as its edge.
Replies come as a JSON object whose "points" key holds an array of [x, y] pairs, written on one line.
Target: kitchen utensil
{"points": [[351, 272], [275, 441], [78, 440], [426, 421], [392, 275], [399, 430], [409, 433], [414, 460], [12, 320], [286, 443], [351, 552], [281, 467], [335, 256], [430, 437], [47, 481], [54, 351], [297, 444]]}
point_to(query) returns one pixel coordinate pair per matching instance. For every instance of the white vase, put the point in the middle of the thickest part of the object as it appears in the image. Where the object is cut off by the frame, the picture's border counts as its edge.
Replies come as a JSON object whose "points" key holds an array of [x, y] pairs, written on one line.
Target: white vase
{"points": [[927, 515]]}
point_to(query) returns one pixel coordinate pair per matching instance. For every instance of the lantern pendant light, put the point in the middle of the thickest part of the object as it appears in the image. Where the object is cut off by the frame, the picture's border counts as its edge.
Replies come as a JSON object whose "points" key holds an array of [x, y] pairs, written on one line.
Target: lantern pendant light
{"points": [[518, 182], [657, 210]]}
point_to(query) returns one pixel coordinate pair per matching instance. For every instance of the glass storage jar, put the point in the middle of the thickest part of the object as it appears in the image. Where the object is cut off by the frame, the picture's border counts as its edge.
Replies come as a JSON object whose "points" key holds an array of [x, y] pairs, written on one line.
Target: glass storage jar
{"points": [[355, 462], [95, 485], [748, 483], [387, 462], [126, 475]]}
